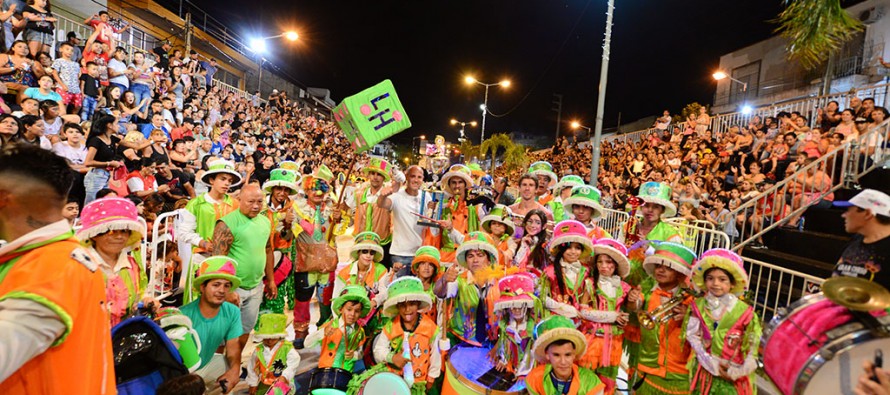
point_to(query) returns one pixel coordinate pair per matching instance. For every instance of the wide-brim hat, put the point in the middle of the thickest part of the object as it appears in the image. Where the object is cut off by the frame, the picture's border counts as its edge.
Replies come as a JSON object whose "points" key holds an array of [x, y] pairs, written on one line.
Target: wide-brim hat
{"points": [[379, 166], [111, 213], [459, 171], [476, 241], [217, 267], [516, 290], [658, 193], [542, 168], [568, 181], [426, 254], [221, 166], [555, 328], [355, 293], [405, 289], [724, 259], [282, 178], [587, 196], [500, 214], [571, 231], [673, 255], [367, 241], [271, 326], [615, 250]]}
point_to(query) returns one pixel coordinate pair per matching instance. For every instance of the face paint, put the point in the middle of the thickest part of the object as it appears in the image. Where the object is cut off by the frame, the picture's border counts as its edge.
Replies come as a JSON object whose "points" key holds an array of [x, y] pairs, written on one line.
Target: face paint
{"points": [[320, 187]]}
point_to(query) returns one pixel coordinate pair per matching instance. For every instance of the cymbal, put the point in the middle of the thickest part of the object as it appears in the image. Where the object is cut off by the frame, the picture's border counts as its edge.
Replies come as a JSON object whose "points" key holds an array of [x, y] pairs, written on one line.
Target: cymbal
{"points": [[856, 294]]}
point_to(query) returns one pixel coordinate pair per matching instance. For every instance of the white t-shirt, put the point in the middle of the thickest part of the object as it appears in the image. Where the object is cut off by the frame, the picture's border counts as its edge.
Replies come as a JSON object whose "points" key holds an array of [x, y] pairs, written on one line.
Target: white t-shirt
{"points": [[74, 156], [406, 234], [119, 67], [136, 185]]}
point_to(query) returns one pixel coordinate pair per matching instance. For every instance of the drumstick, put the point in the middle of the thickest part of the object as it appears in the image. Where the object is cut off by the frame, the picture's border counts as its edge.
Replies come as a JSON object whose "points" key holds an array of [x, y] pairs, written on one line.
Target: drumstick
{"points": [[424, 217]]}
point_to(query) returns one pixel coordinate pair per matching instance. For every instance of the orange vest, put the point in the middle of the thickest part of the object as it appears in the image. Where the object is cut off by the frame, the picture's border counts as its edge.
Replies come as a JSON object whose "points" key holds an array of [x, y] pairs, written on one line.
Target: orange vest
{"points": [[584, 381], [420, 342], [673, 349], [50, 276], [330, 344]]}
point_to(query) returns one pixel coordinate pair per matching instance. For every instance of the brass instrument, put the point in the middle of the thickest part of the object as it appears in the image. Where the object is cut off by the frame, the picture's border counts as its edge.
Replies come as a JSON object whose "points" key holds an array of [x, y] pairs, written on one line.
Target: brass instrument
{"points": [[664, 313]]}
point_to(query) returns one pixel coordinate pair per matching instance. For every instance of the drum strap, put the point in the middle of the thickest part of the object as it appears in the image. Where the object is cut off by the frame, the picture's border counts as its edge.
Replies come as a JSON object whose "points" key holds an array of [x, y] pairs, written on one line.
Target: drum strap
{"points": [[639, 382]]}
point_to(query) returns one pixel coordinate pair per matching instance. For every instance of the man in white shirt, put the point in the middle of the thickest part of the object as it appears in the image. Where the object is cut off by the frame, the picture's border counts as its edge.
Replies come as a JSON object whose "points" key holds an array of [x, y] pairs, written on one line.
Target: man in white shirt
{"points": [[406, 234]]}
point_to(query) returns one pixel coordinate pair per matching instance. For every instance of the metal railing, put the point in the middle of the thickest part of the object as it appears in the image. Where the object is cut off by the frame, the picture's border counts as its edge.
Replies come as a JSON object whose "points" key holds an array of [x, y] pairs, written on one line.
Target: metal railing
{"points": [[639, 135], [771, 287], [65, 24], [164, 230], [612, 221], [808, 185], [699, 237]]}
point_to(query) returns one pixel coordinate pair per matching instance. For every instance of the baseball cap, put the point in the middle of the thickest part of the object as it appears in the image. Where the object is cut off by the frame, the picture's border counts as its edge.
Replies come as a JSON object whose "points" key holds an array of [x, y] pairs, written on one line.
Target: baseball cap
{"points": [[869, 199], [274, 90]]}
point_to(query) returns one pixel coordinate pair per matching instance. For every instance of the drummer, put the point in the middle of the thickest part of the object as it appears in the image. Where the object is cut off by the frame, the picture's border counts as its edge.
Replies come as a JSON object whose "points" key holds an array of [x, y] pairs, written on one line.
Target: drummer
{"points": [[868, 253], [557, 347], [409, 344], [724, 331], [341, 339], [465, 289]]}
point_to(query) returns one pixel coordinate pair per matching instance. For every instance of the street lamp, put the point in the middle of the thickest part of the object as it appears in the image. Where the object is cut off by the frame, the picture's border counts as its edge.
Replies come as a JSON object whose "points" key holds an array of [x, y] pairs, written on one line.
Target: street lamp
{"points": [[415, 138], [462, 125], [719, 75], [577, 125], [470, 80], [258, 46]]}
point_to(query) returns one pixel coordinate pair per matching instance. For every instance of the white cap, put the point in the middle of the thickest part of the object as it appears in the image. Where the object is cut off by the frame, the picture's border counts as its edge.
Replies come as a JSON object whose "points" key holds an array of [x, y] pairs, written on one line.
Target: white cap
{"points": [[274, 90], [869, 199]]}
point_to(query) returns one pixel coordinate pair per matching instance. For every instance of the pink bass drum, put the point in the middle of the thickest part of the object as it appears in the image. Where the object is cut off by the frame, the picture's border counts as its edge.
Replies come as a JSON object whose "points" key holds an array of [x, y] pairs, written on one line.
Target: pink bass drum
{"points": [[817, 347]]}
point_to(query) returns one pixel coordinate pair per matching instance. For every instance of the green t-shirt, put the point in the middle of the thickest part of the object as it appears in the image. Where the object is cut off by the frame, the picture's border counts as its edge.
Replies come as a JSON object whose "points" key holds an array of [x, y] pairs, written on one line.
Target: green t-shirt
{"points": [[249, 246], [215, 331]]}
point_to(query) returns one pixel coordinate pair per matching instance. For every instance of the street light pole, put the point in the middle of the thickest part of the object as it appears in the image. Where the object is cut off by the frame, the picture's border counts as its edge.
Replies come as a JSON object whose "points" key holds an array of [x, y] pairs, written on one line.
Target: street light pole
{"points": [[484, 111], [601, 96], [462, 126], [470, 80], [259, 80]]}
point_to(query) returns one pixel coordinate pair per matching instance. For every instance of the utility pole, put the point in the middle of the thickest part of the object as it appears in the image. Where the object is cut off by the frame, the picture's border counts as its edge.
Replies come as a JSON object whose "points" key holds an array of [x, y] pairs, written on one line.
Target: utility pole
{"points": [[601, 96], [557, 106], [188, 33]]}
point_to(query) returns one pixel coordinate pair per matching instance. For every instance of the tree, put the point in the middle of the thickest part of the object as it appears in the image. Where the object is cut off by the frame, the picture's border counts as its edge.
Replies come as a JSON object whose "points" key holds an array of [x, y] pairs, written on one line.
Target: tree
{"points": [[516, 157], [815, 29], [468, 150], [492, 144], [690, 109]]}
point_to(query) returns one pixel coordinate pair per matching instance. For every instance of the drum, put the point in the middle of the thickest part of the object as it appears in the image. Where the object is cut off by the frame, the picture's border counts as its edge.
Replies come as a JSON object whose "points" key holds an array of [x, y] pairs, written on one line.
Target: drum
{"points": [[384, 383], [817, 347], [329, 381], [468, 370]]}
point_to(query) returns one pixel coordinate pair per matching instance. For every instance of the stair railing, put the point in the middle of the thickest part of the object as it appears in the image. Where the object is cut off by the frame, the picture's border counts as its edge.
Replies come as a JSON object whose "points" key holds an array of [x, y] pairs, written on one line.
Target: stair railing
{"points": [[772, 287], [843, 166]]}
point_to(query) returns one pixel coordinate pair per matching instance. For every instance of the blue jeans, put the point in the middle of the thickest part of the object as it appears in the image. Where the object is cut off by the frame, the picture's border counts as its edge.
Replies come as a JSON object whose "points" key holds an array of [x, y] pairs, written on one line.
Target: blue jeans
{"points": [[95, 180], [89, 106], [141, 91]]}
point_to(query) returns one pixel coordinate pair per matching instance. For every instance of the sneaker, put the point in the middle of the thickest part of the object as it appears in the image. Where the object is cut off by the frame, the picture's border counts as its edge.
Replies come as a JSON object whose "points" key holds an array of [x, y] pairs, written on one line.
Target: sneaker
{"points": [[757, 246], [298, 343]]}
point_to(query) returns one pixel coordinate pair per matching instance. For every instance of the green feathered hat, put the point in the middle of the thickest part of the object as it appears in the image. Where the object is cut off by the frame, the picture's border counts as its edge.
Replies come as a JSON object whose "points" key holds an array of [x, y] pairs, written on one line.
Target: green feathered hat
{"points": [[405, 289]]}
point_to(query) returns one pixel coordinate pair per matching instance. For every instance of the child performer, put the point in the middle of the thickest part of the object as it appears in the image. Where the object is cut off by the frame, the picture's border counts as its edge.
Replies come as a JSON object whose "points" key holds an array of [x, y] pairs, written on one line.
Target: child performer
{"points": [[557, 347], [531, 252], [584, 206], [409, 344], [499, 225], [723, 331], [425, 266], [341, 339], [607, 317], [274, 360], [664, 351], [519, 310], [564, 285]]}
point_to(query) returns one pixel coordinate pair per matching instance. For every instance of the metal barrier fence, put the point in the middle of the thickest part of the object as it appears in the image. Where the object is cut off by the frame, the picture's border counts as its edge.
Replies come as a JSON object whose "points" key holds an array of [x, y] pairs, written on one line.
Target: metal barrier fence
{"points": [[771, 287], [164, 231], [612, 221], [699, 237]]}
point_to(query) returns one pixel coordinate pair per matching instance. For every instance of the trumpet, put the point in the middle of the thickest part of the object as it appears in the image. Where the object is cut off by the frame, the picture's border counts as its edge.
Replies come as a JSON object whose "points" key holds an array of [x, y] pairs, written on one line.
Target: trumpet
{"points": [[664, 313]]}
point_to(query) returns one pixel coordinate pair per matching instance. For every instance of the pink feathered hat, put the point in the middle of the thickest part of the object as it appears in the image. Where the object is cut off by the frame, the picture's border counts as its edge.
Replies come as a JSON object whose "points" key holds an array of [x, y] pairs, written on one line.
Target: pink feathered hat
{"points": [[724, 259], [615, 250], [111, 213], [571, 231], [517, 290]]}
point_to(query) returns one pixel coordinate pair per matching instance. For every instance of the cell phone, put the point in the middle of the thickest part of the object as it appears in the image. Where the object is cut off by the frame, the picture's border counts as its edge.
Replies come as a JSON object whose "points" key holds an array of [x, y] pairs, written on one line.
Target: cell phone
{"points": [[172, 184], [879, 363]]}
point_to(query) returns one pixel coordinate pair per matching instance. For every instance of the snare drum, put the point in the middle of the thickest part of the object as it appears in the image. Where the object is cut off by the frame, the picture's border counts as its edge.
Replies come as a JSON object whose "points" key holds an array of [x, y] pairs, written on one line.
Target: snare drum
{"points": [[384, 383], [467, 368], [817, 347], [328, 379]]}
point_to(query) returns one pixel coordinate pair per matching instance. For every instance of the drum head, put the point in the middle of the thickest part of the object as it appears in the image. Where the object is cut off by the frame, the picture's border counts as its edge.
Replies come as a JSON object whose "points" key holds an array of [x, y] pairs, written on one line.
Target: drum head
{"points": [[468, 367], [839, 374], [329, 379], [385, 383]]}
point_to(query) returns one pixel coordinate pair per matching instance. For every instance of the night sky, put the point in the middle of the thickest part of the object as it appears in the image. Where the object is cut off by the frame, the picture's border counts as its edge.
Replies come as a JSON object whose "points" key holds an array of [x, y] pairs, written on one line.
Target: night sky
{"points": [[663, 54]]}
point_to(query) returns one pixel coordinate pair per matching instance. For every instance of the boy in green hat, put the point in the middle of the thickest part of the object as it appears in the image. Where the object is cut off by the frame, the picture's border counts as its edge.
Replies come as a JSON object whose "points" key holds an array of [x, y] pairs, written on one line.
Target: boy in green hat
{"points": [[563, 191], [409, 344], [279, 209], [664, 352], [274, 360], [499, 225], [558, 346], [584, 205], [341, 339]]}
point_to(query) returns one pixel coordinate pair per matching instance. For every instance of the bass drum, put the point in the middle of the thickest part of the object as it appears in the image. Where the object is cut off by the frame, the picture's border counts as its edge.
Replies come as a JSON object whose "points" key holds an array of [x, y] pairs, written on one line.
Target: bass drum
{"points": [[329, 381], [384, 383], [817, 347], [468, 370]]}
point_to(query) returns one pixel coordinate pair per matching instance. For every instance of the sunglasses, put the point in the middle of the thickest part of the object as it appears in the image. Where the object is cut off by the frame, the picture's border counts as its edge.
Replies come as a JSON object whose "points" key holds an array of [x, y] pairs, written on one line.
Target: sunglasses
{"points": [[366, 251]]}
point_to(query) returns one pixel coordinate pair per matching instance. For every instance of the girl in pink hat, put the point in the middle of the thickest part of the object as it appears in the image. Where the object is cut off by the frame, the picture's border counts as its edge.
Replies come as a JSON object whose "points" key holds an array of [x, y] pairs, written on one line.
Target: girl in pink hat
{"points": [[111, 229], [565, 285], [603, 324]]}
